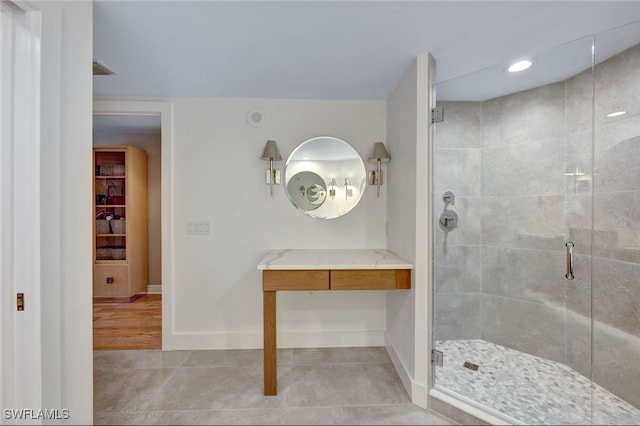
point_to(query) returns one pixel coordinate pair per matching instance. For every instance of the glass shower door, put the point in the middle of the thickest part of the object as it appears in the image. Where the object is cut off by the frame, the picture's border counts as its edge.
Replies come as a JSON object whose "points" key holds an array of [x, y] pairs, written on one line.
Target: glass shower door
{"points": [[616, 220], [537, 177], [515, 152]]}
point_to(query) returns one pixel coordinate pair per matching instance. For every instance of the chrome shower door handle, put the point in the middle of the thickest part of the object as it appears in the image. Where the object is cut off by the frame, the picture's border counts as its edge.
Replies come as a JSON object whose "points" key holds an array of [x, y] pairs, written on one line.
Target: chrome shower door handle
{"points": [[569, 275]]}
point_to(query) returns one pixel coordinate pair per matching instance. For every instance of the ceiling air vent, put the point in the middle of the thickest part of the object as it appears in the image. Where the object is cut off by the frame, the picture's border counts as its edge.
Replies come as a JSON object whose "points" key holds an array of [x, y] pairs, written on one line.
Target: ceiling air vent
{"points": [[101, 69]]}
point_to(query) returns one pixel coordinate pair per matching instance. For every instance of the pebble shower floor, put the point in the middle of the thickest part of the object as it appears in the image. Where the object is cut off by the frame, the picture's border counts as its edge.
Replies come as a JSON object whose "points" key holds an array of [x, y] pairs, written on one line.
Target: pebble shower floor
{"points": [[527, 388]]}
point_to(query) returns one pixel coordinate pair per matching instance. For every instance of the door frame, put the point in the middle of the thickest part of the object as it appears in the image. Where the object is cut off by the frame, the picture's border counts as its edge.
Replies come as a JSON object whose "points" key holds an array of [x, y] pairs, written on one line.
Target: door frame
{"points": [[20, 334], [108, 106]]}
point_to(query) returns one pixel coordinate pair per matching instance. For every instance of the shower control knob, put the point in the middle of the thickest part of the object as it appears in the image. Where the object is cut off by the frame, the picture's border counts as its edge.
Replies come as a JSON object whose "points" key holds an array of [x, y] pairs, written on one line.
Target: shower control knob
{"points": [[448, 198], [448, 220]]}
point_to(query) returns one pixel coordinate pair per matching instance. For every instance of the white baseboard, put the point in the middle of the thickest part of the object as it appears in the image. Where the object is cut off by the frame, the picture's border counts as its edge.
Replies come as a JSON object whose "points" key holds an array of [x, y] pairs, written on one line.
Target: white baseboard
{"points": [[154, 289], [470, 407], [285, 339], [420, 395], [417, 393]]}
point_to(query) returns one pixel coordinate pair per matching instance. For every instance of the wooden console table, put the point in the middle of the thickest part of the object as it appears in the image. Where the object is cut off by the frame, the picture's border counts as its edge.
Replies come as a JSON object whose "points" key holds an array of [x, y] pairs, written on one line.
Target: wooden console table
{"points": [[304, 270]]}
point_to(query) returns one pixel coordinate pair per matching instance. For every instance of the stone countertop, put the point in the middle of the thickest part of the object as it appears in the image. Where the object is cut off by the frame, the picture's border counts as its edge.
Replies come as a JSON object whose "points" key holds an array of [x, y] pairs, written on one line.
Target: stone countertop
{"points": [[304, 259]]}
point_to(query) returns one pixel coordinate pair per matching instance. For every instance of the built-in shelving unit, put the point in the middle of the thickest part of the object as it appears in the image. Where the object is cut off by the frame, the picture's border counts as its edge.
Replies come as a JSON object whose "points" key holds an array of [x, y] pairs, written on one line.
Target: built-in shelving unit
{"points": [[120, 230]]}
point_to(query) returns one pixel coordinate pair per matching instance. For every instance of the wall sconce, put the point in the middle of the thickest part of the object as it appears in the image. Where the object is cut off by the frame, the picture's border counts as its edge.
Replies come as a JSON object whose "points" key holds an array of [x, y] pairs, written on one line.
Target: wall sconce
{"points": [[332, 188], [348, 189], [379, 155], [272, 154]]}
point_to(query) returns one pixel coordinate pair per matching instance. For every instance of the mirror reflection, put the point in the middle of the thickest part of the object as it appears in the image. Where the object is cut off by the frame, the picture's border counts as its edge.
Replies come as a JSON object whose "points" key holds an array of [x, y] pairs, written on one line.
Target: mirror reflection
{"points": [[325, 177], [306, 190]]}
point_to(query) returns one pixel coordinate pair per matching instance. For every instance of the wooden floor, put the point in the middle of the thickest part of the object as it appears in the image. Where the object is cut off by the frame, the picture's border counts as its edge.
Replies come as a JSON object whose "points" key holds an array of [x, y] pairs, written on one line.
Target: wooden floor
{"points": [[134, 325]]}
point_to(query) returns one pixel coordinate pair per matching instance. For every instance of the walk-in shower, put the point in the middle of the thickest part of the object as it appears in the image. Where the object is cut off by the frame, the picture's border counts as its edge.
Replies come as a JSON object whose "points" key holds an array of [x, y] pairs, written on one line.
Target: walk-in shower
{"points": [[536, 160]]}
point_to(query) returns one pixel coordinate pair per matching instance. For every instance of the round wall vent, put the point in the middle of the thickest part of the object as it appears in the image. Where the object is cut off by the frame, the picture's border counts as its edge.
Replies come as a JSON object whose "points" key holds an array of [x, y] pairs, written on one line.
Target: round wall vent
{"points": [[255, 117]]}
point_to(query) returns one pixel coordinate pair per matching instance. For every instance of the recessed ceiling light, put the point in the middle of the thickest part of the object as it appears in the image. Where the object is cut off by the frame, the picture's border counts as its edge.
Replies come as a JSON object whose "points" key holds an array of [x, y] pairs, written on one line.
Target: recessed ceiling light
{"points": [[615, 114], [519, 66]]}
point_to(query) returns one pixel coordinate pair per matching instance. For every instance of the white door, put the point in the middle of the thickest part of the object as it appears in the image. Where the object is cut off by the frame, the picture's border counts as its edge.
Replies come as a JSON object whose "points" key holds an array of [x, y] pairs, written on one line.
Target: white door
{"points": [[20, 342]]}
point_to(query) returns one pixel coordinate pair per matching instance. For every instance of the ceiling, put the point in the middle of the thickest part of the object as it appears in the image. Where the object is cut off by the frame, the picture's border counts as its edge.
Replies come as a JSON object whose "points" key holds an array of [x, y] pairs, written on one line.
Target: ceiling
{"points": [[327, 49]]}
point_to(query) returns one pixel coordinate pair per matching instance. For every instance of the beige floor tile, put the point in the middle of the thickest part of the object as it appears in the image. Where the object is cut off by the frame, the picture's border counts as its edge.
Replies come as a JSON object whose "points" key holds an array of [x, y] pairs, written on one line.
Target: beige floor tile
{"points": [[127, 389], [356, 355], [315, 386], [200, 388], [344, 384]]}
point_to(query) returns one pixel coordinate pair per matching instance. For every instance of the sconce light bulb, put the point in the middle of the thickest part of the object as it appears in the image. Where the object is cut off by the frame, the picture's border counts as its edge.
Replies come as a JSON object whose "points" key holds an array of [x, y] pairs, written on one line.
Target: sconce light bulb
{"points": [[378, 177], [347, 190], [332, 188], [273, 172]]}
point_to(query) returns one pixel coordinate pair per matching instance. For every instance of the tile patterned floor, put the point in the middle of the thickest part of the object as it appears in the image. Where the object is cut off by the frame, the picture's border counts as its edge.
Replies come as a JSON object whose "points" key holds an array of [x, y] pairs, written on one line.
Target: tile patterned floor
{"points": [[315, 386], [530, 389]]}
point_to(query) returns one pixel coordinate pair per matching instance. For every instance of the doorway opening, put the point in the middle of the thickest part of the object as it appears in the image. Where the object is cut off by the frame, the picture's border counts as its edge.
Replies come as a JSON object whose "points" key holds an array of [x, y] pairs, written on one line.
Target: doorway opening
{"points": [[127, 287]]}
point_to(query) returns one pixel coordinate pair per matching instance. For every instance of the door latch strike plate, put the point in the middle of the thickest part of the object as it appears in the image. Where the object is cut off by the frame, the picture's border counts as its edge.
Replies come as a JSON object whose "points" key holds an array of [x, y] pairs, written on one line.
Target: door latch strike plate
{"points": [[20, 301], [437, 357], [437, 115]]}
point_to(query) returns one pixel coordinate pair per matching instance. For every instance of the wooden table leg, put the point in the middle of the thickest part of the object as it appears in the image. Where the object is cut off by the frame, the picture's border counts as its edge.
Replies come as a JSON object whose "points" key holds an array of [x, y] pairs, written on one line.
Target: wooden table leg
{"points": [[270, 348]]}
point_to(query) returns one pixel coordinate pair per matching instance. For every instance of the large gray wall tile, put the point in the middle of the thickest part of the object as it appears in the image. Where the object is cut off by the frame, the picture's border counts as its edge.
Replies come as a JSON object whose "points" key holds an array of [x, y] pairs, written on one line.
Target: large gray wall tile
{"points": [[578, 343], [531, 275], [579, 154], [457, 316], [535, 222], [616, 294], [616, 84], [468, 230], [618, 168], [531, 168], [461, 126], [534, 328], [578, 291], [579, 112], [607, 136], [578, 219], [457, 269], [457, 170], [617, 220], [528, 116], [615, 362]]}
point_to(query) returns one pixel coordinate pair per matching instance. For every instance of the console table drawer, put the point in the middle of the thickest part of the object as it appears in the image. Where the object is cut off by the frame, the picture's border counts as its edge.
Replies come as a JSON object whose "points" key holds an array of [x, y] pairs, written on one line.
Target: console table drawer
{"points": [[368, 279], [295, 280]]}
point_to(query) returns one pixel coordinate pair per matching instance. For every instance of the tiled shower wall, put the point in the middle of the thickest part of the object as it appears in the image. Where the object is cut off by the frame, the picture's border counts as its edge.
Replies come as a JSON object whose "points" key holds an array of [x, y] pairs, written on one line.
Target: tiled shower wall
{"points": [[500, 275], [616, 262]]}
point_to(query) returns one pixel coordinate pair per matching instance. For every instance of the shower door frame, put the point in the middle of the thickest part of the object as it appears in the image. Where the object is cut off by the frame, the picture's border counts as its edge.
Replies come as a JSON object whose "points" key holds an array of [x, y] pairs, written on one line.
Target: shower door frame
{"points": [[439, 395]]}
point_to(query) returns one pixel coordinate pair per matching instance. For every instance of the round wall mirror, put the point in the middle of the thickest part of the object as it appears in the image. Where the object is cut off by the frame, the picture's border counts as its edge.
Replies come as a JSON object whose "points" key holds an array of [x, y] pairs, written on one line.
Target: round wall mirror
{"points": [[325, 177]]}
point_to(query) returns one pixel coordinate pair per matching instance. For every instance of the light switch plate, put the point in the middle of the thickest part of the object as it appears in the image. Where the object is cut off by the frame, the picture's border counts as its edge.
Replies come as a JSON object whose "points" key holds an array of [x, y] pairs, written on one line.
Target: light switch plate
{"points": [[198, 228]]}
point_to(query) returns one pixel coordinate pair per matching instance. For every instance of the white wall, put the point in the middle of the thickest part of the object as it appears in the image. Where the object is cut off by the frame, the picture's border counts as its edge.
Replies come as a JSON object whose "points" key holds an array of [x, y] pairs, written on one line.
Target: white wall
{"points": [[408, 125], [218, 176], [66, 172], [213, 295]]}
